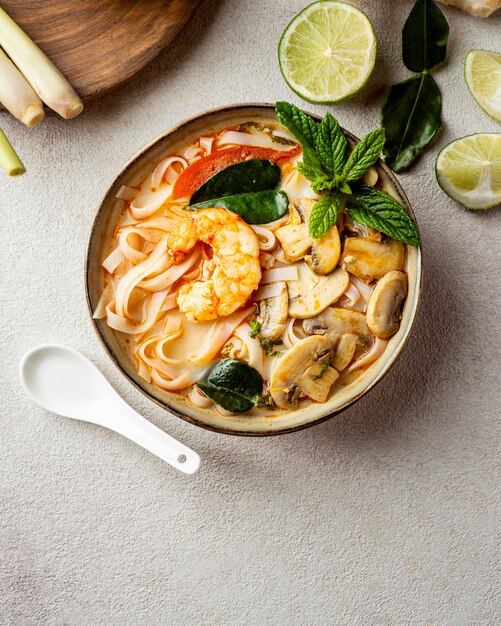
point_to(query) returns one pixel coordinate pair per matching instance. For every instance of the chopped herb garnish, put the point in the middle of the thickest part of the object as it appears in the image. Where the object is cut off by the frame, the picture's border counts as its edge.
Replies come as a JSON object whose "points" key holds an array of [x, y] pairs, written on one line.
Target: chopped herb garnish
{"points": [[325, 365], [227, 349], [266, 344]]}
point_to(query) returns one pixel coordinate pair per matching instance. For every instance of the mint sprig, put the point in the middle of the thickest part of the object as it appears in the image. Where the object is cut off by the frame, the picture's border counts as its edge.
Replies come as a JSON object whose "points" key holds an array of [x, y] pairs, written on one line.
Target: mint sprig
{"points": [[324, 214], [328, 168], [376, 208]]}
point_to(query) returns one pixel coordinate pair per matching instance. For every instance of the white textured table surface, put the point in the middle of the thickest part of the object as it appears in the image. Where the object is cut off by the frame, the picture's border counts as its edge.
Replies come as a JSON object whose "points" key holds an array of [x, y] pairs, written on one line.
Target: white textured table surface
{"points": [[385, 515]]}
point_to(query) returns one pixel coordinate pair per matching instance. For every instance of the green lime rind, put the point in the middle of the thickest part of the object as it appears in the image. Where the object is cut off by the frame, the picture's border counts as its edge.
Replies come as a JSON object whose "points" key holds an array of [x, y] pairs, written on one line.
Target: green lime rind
{"points": [[295, 88]]}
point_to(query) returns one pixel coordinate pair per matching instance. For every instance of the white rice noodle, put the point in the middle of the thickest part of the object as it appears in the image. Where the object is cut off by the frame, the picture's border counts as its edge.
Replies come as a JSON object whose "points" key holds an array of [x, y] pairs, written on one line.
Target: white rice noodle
{"points": [[279, 255], [377, 349], [105, 298], [269, 365], [296, 186], [267, 291], [155, 200], [217, 336], [364, 289], [130, 327], [113, 260], [255, 356], [206, 144], [171, 274], [260, 140], [353, 295], [266, 239], [148, 353], [238, 351], [157, 262], [279, 274], [159, 223], [180, 382], [266, 260], [199, 399], [291, 336], [165, 169], [170, 302], [273, 226], [126, 193], [144, 371], [129, 251], [191, 152]]}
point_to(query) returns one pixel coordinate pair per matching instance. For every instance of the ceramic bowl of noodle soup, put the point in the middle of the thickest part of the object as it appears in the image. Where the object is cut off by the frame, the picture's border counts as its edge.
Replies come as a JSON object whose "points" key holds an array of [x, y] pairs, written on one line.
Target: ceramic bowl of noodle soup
{"points": [[176, 291]]}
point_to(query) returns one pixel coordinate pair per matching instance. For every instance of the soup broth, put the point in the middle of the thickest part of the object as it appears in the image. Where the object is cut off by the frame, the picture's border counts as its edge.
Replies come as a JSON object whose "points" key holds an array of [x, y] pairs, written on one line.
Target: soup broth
{"points": [[188, 288]]}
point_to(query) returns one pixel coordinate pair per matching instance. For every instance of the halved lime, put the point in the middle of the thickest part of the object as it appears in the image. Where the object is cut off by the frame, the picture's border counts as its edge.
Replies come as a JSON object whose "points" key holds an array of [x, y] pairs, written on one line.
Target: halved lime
{"points": [[482, 72], [328, 51], [469, 170]]}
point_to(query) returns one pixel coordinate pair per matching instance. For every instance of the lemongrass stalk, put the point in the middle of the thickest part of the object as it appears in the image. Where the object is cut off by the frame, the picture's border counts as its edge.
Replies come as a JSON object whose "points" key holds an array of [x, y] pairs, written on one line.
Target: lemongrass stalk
{"points": [[8, 157], [17, 95], [45, 78]]}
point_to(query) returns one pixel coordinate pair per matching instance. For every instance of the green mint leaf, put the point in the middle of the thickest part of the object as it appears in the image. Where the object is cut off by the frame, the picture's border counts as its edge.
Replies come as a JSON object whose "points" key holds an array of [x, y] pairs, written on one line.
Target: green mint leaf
{"points": [[375, 208], [302, 126], [364, 155], [411, 118], [323, 183], [324, 215], [310, 168], [345, 188], [424, 38], [331, 144]]}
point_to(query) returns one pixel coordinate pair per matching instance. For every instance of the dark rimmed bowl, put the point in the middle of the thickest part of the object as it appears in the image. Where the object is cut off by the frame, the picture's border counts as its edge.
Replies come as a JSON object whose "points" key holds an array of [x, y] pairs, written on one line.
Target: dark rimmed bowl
{"points": [[106, 218]]}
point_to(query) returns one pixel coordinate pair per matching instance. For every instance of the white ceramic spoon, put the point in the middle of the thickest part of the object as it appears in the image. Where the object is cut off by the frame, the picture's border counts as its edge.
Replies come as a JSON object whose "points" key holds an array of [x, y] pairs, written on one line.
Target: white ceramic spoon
{"points": [[63, 381]]}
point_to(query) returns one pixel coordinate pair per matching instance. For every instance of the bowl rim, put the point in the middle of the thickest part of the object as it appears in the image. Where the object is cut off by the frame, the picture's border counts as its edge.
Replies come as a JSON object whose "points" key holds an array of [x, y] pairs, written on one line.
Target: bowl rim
{"points": [[218, 429]]}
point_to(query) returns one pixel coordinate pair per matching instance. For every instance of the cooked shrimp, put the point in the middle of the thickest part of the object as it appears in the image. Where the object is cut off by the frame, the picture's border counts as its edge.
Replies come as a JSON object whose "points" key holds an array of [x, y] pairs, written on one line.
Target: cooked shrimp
{"points": [[236, 272]]}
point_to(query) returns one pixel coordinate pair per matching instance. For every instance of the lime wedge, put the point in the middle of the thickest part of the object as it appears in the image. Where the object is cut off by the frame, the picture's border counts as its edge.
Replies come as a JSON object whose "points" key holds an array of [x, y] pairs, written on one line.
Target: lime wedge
{"points": [[327, 52], [469, 170], [482, 72]]}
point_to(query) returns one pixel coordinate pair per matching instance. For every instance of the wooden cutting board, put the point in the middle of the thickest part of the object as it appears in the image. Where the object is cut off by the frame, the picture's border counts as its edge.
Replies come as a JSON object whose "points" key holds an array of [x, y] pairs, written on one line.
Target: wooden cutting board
{"points": [[98, 44]]}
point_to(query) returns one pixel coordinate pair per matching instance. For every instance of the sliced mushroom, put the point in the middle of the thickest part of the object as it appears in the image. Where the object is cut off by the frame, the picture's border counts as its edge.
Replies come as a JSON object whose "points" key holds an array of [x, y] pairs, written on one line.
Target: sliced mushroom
{"points": [[344, 351], [311, 294], [317, 381], [339, 321], [369, 259], [385, 304], [296, 241], [273, 314], [285, 380]]}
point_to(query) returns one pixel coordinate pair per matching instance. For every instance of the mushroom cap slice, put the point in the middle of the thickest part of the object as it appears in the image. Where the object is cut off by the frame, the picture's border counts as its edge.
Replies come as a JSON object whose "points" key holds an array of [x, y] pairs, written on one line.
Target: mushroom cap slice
{"points": [[385, 304], [337, 320], [317, 381], [310, 294], [285, 383], [369, 259], [273, 314], [296, 241], [345, 350]]}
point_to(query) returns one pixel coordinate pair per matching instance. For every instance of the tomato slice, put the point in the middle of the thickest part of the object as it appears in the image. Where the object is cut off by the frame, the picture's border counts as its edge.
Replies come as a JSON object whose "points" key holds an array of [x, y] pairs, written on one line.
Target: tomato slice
{"points": [[198, 173]]}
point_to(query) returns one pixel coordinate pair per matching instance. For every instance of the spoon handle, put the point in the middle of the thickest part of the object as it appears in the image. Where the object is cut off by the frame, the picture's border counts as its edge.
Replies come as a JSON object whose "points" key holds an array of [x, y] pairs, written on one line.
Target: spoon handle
{"points": [[127, 422]]}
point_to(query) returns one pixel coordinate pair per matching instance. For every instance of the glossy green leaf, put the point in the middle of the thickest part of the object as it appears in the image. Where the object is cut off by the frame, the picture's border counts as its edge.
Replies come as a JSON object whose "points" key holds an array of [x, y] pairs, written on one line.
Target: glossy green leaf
{"points": [[376, 208], [254, 208], [331, 144], [411, 118], [233, 384], [324, 214], [244, 177], [424, 38]]}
